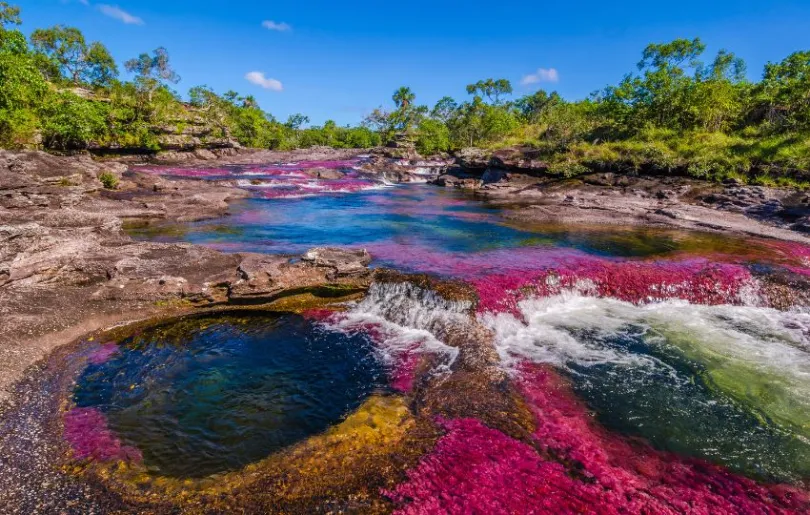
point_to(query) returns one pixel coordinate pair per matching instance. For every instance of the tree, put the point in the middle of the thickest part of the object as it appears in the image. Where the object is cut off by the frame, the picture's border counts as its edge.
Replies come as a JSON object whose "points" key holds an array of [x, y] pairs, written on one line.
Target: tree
{"points": [[296, 121], [406, 116], [660, 96], [493, 89], [433, 136], [22, 90], [9, 14], [785, 91], [72, 122], [672, 56], [22, 87], [381, 122], [250, 101], [444, 110], [156, 66], [152, 71], [73, 57], [533, 107], [403, 98], [715, 98]]}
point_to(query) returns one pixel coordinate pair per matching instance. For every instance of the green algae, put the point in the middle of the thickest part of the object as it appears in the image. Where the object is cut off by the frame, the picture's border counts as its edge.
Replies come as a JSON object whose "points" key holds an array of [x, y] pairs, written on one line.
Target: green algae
{"points": [[775, 394]]}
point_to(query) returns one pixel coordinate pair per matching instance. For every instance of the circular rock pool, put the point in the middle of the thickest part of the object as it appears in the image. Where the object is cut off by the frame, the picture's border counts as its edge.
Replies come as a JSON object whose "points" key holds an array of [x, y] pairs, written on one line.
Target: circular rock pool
{"points": [[210, 394]]}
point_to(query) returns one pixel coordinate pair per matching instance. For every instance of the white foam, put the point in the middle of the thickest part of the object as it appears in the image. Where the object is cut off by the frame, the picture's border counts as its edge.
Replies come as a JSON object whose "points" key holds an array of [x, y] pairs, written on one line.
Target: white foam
{"points": [[563, 330], [408, 317]]}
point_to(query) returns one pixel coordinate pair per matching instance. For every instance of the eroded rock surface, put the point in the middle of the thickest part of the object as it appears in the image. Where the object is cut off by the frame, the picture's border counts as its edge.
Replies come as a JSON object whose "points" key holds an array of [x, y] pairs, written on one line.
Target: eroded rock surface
{"points": [[67, 268]]}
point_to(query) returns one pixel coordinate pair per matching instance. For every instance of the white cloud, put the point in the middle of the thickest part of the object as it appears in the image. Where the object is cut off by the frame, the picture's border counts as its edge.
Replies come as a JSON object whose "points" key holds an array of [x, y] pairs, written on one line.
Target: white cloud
{"points": [[541, 75], [113, 11], [259, 79], [279, 26]]}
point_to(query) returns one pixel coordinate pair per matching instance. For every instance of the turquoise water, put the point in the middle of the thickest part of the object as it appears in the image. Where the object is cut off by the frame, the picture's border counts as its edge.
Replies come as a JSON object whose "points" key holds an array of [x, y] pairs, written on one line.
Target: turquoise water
{"points": [[402, 222]]}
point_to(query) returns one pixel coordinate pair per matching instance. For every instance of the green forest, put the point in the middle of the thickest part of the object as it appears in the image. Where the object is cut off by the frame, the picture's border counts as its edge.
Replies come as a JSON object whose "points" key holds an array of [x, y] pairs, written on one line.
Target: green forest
{"points": [[681, 111]]}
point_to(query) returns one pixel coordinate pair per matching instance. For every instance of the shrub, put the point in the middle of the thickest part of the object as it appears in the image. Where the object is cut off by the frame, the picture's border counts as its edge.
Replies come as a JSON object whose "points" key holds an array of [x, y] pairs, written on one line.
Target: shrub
{"points": [[108, 179], [433, 137]]}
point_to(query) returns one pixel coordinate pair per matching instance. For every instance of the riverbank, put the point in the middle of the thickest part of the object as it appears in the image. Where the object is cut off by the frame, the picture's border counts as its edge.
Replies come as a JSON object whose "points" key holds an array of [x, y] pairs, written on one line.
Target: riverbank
{"points": [[67, 268]]}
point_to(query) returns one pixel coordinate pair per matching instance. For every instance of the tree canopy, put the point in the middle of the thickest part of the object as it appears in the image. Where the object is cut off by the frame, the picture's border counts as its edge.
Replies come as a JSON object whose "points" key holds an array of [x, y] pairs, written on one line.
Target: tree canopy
{"points": [[66, 50], [679, 109]]}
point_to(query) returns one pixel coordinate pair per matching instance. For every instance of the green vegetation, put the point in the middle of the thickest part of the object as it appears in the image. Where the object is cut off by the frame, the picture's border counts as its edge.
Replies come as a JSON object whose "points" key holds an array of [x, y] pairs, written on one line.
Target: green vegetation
{"points": [[60, 92], [675, 115], [108, 180]]}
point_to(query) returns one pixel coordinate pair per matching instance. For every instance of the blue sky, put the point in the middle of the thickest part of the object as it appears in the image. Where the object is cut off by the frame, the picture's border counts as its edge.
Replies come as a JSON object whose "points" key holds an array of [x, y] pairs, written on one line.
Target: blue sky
{"points": [[339, 60]]}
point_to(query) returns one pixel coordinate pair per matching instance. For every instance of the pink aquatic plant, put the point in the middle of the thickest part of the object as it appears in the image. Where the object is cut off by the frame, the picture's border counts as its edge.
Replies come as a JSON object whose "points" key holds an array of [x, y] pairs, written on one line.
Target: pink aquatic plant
{"points": [[237, 170], [695, 281], [302, 188], [404, 373], [319, 315], [102, 353], [503, 277], [90, 438], [572, 465]]}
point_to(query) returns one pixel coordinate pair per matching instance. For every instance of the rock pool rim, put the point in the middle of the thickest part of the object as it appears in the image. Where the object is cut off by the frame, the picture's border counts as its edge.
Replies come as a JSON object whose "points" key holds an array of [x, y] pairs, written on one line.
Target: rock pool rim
{"points": [[175, 422]]}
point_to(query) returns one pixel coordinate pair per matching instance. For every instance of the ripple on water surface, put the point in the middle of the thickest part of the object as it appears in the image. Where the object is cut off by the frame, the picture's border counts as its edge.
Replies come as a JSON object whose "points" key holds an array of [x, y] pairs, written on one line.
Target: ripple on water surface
{"points": [[211, 394]]}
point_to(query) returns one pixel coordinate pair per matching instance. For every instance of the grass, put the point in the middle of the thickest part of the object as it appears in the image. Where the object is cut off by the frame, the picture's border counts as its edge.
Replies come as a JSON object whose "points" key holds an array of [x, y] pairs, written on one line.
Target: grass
{"points": [[749, 157]]}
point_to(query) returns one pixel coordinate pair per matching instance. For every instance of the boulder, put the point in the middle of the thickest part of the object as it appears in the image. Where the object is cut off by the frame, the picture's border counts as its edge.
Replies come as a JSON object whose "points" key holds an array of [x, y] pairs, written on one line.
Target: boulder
{"points": [[264, 278], [340, 262], [473, 158]]}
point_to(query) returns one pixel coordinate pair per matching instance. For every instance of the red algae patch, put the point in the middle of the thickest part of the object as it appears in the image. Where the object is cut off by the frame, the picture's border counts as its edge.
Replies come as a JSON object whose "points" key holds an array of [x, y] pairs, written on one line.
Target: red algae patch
{"points": [[90, 438], [696, 281], [634, 477], [574, 466], [503, 277], [102, 353], [475, 469]]}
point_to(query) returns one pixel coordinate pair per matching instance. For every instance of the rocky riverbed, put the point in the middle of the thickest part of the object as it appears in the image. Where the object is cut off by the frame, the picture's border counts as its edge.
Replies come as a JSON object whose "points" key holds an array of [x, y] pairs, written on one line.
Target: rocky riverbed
{"points": [[69, 272]]}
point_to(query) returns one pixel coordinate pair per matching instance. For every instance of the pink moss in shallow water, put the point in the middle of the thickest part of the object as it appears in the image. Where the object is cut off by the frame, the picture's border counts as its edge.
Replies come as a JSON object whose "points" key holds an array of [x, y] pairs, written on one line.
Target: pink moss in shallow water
{"points": [[639, 478], [90, 438], [295, 188], [505, 276], [695, 281], [237, 171], [476, 469], [103, 353], [404, 374]]}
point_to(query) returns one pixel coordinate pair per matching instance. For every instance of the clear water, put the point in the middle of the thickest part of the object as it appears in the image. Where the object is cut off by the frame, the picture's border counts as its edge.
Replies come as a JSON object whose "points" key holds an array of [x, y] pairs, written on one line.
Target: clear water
{"points": [[213, 394], [400, 225]]}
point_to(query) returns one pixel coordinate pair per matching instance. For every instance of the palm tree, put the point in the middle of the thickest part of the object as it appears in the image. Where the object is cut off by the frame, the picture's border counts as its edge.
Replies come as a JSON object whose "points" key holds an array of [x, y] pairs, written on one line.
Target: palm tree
{"points": [[403, 97]]}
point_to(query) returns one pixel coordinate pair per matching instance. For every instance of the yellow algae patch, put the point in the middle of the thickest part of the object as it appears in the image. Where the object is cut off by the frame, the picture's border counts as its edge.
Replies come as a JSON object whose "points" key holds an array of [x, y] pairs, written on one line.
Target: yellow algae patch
{"points": [[343, 469], [309, 300]]}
